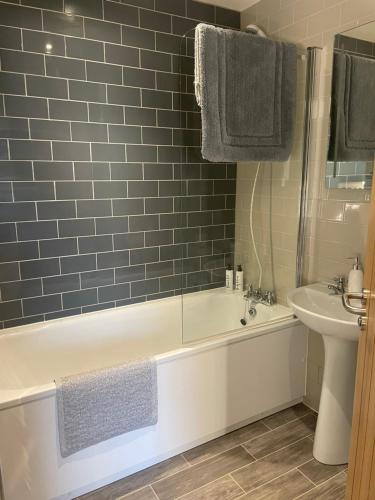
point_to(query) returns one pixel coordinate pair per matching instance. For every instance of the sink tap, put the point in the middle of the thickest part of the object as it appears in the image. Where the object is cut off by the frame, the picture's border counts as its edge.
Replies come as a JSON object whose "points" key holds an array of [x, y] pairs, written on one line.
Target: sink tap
{"points": [[338, 287]]}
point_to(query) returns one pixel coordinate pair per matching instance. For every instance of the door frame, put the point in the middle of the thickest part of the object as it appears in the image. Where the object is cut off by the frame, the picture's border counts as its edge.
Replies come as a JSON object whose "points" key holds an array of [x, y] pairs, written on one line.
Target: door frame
{"points": [[361, 473]]}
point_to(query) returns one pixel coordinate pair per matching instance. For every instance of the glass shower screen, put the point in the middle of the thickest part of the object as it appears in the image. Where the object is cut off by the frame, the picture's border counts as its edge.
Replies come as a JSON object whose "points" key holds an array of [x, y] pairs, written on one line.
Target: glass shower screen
{"points": [[215, 214]]}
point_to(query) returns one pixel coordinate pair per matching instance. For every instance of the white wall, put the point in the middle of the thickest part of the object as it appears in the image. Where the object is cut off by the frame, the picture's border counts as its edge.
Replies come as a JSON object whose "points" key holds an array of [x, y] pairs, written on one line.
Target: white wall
{"points": [[337, 218]]}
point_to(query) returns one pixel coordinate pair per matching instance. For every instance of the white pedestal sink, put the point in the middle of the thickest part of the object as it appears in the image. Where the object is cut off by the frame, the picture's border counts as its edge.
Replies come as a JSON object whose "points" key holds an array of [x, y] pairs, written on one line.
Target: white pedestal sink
{"points": [[325, 314]]}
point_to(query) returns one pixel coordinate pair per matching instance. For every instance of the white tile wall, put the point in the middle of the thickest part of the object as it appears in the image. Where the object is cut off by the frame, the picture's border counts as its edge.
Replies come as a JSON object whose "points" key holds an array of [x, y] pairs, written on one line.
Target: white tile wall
{"points": [[337, 218]]}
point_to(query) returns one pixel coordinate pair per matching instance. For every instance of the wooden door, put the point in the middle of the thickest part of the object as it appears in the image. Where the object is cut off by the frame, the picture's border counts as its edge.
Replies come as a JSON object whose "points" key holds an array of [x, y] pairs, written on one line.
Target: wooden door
{"points": [[361, 474]]}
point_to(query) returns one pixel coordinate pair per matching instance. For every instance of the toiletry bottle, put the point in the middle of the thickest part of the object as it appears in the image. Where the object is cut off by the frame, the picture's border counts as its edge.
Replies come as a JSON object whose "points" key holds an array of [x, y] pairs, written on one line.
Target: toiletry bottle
{"points": [[355, 281], [239, 278], [229, 278]]}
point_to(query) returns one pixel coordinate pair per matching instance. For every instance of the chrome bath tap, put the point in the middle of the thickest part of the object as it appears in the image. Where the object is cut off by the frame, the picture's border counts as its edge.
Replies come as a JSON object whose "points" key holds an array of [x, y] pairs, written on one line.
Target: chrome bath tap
{"points": [[259, 296]]}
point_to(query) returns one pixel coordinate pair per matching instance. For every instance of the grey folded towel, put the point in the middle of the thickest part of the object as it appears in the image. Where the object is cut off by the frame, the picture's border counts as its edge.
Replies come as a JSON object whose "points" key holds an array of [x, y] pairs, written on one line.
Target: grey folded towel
{"points": [[246, 86], [352, 109], [101, 404]]}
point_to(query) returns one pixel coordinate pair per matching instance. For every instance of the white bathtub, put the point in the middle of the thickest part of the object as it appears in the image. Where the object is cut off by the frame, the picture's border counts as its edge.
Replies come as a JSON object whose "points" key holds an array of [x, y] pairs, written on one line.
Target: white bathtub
{"points": [[205, 388]]}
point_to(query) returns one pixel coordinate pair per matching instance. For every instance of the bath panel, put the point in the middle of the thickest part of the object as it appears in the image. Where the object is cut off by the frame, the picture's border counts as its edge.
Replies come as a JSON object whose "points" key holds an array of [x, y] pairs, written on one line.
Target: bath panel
{"points": [[205, 389]]}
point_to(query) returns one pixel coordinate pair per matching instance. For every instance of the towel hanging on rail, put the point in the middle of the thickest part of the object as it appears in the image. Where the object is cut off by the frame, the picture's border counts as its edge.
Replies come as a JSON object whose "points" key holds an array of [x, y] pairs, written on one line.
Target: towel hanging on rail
{"points": [[246, 87], [352, 110]]}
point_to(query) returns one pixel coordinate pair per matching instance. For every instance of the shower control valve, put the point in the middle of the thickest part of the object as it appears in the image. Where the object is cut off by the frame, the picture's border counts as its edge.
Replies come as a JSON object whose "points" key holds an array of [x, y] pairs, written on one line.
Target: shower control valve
{"points": [[259, 296]]}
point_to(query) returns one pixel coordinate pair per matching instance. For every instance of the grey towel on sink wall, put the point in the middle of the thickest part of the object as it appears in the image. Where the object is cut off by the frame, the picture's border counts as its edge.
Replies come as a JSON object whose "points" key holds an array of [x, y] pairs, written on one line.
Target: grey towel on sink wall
{"points": [[95, 406], [247, 87], [352, 110]]}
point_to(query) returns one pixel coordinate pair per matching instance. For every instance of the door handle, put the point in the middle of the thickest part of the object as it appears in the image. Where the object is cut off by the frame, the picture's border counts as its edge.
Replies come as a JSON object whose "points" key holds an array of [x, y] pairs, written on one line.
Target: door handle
{"points": [[347, 296], [362, 322]]}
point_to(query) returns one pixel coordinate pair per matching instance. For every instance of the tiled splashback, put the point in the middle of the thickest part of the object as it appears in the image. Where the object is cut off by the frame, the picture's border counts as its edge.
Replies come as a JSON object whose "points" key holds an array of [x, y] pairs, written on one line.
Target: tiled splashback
{"points": [[349, 174], [103, 188], [337, 218]]}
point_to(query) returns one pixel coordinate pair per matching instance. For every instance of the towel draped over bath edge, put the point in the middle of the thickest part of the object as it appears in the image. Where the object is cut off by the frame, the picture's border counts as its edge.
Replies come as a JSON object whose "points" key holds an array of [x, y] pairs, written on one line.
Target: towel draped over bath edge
{"points": [[98, 405]]}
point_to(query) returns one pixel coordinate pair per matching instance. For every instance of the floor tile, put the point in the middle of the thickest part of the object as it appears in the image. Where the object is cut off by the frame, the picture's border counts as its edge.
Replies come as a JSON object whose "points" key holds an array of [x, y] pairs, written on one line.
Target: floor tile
{"points": [[143, 494], [138, 480], [251, 463], [198, 475], [274, 465], [224, 489], [286, 487], [333, 489], [285, 416], [221, 444], [281, 436], [318, 473]]}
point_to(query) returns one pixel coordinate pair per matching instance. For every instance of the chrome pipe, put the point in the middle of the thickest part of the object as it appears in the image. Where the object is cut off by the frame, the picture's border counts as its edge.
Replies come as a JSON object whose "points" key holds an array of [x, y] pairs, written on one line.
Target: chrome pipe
{"points": [[313, 59]]}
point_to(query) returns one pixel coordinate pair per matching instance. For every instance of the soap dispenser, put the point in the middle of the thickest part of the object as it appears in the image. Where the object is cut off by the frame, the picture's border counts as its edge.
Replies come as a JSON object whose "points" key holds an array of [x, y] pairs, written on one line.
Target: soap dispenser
{"points": [[355, 280]]}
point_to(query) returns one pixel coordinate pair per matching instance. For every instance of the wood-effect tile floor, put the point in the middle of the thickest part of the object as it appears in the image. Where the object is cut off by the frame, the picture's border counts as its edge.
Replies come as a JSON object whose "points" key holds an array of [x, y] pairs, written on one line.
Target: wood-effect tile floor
{"points": [[267, 460]]}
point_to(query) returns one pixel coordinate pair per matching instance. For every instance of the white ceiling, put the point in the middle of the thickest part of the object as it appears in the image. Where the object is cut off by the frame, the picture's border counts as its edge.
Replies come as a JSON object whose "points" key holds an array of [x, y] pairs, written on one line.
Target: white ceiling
{"points": [[239, 5]]}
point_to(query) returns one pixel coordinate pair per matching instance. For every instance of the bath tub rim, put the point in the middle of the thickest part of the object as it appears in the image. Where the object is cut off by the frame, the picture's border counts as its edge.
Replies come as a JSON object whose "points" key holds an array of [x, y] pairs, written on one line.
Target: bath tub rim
{"points": [[43, 391]]}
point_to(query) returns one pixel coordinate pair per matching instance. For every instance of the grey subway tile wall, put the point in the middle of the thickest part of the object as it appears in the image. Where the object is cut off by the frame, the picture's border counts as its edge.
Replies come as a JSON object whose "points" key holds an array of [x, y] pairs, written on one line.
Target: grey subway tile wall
{"points": [[105, 199]]}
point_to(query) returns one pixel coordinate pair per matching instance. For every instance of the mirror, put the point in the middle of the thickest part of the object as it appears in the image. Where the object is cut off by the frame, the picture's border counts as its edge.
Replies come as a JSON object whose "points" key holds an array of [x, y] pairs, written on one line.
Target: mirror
{"points": [[352, 122]]}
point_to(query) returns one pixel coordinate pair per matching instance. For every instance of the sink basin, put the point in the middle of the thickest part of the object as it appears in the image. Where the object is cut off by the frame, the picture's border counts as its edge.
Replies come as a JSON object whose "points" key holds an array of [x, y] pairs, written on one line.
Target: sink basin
{"points": [[322, 312], [325, 314]]}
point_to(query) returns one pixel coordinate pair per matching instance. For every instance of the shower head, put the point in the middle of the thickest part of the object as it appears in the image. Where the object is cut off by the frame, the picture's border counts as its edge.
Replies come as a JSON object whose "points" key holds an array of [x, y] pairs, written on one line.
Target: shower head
{"points": [[253, 29]]}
